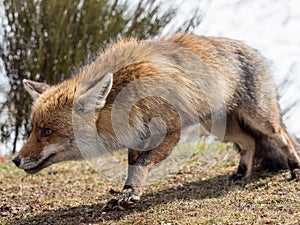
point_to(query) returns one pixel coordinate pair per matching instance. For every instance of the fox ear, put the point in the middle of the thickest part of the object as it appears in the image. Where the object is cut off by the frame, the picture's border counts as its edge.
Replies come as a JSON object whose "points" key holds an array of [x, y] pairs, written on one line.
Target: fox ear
{"points": [[96, 93], [35, 88]]}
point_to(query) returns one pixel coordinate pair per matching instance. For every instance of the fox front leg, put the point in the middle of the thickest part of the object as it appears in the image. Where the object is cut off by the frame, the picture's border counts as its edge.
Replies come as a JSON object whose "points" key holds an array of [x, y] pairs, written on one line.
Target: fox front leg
{"points": [[139, 164], [133, 188]]}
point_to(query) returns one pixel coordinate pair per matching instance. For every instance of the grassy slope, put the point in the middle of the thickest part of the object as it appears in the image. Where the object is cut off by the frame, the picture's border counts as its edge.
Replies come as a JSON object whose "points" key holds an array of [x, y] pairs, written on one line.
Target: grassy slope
{"points": [[198, 193]]}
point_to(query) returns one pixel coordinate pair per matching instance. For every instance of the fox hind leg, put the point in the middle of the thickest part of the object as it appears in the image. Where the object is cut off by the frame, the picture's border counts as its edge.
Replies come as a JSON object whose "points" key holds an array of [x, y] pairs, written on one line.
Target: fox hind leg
{"points": [[247, 151], [288, 149], [273, 128], [246, 146]]}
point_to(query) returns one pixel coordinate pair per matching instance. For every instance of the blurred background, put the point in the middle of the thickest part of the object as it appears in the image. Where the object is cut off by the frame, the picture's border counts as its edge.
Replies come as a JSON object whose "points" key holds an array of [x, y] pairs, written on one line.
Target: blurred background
{"points": [[47, 40]]}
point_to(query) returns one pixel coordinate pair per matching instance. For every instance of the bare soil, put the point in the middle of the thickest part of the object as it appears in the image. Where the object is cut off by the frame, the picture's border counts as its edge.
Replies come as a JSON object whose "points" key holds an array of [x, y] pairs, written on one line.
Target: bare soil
{"points": [[197, 193]]}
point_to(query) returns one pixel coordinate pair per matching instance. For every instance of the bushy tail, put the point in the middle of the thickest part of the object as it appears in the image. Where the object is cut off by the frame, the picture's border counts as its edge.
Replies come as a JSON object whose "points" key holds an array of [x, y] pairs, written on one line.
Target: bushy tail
{"points": [[268, 155]]}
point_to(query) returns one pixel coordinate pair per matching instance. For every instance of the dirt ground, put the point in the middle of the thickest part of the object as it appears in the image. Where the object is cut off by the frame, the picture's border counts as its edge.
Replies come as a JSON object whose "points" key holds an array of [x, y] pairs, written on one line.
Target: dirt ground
{"points": [[199, 192]]}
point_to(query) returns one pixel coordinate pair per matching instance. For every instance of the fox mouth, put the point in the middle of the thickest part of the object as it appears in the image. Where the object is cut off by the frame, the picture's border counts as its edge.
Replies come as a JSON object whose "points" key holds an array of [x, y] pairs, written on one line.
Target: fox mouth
{"points": [[43, 164]]}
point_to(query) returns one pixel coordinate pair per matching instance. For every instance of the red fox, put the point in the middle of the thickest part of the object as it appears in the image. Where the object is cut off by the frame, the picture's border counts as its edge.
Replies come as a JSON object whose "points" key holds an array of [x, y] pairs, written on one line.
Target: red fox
{"points": [[140, 94]]}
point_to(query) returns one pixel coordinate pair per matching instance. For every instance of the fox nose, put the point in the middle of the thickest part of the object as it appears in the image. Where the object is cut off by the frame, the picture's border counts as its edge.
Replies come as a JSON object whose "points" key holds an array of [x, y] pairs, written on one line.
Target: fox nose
{"points": [[17, 161]]}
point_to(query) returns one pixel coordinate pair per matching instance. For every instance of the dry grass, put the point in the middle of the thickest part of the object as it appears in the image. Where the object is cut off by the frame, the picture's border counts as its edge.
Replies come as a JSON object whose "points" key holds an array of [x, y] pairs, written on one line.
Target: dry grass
{"points": [[198, 193]]}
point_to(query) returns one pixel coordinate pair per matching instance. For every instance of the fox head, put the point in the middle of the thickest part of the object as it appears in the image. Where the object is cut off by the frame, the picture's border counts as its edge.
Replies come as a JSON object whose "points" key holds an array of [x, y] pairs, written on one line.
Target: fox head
{"points": [[52, 137]]}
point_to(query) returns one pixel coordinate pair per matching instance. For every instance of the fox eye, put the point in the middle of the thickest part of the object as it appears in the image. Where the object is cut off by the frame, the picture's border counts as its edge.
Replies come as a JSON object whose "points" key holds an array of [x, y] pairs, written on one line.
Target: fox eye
{"points": [[46, 132]]}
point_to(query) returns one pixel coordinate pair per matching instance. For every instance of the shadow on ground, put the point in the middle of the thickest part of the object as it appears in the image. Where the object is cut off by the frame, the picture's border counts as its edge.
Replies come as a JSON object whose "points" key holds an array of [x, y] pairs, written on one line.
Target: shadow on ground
{"points": [[84, 214]]}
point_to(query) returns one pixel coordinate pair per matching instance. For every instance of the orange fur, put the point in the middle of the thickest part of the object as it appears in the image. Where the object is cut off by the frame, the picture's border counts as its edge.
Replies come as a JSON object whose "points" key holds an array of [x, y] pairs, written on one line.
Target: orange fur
{"points": [[193, 72]]}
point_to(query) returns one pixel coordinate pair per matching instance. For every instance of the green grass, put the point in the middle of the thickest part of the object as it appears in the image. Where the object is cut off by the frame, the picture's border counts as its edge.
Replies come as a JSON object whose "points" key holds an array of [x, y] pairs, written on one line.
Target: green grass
{"points": [[196, 191]]}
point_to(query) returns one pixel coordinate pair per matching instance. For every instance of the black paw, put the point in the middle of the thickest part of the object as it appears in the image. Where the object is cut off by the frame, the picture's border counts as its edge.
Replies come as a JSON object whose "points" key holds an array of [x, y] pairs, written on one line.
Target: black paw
{"points": [[237, 177], [124, 201], [111, 205], [296, 174]]}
